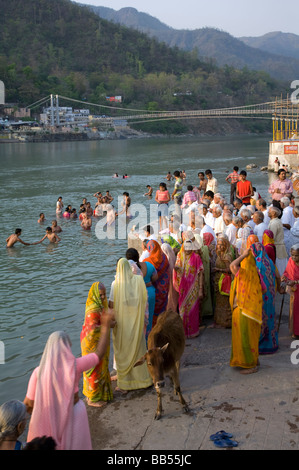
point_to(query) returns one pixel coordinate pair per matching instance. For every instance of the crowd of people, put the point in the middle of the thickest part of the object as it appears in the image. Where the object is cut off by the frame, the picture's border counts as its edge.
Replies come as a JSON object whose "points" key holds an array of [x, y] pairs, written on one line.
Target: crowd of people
{"points": [[223, 269]]}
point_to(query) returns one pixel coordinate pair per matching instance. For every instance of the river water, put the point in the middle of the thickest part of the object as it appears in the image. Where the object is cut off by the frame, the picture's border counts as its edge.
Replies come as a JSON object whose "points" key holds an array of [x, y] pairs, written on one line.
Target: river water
{"points": [[44, 287]]}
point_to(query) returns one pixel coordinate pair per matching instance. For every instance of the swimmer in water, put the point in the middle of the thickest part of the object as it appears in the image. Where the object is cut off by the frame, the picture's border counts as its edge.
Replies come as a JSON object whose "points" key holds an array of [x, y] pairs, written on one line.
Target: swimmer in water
{"points": [[14, 238], [41, 218], [52, 237], [55, 228], [59, 206], [149, 190], [86, 221]]}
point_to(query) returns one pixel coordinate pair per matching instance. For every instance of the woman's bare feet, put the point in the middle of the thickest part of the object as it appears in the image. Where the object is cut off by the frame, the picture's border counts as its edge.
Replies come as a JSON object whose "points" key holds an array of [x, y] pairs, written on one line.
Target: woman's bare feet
{"points": [[97, 404], [252, 370], [120, 391]]}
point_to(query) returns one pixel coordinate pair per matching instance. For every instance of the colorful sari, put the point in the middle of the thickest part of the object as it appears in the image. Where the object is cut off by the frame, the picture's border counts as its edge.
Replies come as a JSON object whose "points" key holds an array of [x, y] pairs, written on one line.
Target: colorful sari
{"points": [[246, 301], [292, 274], [222, 310], [96, 381], [159, 260], [268, 242], [268, 343], [207, 305], [129, 302], [173, 297], [186, 280]]}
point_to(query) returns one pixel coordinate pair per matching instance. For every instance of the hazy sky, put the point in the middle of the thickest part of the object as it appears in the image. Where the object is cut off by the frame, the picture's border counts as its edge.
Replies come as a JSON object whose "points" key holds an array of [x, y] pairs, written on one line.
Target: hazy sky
{"points": [[237, 17]]}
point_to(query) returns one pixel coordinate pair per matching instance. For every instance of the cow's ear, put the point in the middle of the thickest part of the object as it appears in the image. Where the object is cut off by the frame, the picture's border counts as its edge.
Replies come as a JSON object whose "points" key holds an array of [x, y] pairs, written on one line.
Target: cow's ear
{"points": [[163, 349], [140, 361]]}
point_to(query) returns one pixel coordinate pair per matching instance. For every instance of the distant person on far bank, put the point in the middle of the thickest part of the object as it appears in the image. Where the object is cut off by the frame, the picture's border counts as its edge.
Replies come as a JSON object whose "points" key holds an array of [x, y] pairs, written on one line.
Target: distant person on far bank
{"points": [[281, 187], [276, 165], [233, 178]]}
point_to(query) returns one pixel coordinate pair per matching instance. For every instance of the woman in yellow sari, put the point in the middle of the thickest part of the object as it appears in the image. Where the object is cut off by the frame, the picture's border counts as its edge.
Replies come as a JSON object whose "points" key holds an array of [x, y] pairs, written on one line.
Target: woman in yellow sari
{"points": [[128, 297], [96, 381], [246, 300]]}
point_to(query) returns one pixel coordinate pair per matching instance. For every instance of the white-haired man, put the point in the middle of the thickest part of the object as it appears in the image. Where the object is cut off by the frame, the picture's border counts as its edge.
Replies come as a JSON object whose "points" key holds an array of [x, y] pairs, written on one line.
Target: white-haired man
{"points": [[260, 226], [219, 225]]}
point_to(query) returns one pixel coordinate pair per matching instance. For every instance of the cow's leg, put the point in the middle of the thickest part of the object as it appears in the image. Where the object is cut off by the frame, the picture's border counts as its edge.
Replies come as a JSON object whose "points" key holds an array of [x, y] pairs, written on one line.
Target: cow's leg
{"points": [[159, 407], [177, 389]]}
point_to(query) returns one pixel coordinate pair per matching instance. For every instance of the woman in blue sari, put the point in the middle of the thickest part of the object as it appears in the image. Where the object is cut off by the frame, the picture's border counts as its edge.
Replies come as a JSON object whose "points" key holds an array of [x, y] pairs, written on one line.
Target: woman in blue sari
{"points": [[268, 343]]}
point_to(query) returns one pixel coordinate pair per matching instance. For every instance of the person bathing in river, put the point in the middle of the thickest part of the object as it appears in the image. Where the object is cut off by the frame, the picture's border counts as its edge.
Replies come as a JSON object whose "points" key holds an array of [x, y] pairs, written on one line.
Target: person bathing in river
{"points": [[14, 238], [86, 221], [55, 228], [52, 237]]}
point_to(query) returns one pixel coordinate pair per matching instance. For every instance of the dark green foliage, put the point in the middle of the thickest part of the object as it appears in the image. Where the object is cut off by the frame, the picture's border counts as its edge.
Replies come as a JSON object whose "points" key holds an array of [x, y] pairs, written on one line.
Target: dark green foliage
{"points": [[59, 47]]}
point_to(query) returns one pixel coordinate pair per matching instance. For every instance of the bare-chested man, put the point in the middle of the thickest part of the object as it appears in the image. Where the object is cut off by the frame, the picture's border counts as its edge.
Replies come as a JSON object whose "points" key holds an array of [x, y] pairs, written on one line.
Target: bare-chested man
{"points": [[14, 238], [42, 218], [52, 237], [55, 228], [86, 221]]}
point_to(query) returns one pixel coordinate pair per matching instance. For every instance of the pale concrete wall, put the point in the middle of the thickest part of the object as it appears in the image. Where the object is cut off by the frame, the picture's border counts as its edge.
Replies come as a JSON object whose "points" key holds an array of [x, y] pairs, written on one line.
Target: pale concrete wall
{"points": [[276, 149]]}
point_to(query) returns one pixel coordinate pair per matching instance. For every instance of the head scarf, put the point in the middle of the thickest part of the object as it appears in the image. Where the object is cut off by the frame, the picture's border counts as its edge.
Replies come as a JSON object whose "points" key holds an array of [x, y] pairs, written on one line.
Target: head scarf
{"points": [[130, 297], [168, 251], [264, 266], [156, 257], [268, 238], [54, 396], [208, 238], [171, 241], [93, 309], [251, 240], [246, 290]]}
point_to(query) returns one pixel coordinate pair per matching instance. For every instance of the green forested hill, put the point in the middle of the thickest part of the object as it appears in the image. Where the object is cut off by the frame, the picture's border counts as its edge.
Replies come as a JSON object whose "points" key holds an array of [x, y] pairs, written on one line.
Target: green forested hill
{"points": [[56, 46]]}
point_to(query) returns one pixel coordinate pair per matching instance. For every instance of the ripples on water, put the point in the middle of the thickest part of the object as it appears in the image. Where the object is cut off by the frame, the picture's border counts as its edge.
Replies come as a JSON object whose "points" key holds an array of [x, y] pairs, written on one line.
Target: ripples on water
{"points": [[44, 287]]}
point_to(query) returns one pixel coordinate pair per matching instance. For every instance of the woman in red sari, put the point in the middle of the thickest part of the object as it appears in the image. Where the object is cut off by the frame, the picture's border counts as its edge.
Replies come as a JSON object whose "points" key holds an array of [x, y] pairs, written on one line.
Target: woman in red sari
{"points": [[269, 244], [291, 277], [159, 260]]}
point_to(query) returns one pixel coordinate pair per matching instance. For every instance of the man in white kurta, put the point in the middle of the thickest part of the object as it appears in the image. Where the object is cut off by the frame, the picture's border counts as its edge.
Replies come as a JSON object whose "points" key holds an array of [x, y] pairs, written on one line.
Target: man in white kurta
{"points": [[276, 227]]}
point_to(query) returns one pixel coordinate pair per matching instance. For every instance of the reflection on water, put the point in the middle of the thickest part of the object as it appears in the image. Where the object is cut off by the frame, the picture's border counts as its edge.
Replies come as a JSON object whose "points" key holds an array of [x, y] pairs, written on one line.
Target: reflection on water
{"points": [[44, 287]]}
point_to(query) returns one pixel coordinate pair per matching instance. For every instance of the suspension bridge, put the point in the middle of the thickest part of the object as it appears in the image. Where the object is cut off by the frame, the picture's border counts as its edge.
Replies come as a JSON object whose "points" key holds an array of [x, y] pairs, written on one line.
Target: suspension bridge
{"points": [[283, 112]]}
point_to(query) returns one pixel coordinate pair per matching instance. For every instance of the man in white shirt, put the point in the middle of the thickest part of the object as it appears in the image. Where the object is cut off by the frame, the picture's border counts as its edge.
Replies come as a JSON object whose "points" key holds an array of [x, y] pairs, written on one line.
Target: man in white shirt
{"points": [[261, 205], [204, 228], [219, 225], [260, 226], [208, 216], [287, 219], [230, 229], [148, 233], [212, 182]]}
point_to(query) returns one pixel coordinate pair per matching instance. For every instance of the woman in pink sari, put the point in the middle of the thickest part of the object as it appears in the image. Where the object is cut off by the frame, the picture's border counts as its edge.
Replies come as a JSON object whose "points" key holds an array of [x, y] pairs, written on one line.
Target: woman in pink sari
{"points": [[188, 279], [52, 396], [291, 278]]}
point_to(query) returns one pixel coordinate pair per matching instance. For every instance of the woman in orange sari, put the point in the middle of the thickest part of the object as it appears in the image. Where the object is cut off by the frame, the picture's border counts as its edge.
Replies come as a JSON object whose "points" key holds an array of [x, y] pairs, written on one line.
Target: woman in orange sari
{"points": [[246, 300], [159, 260], [96, 382]]}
